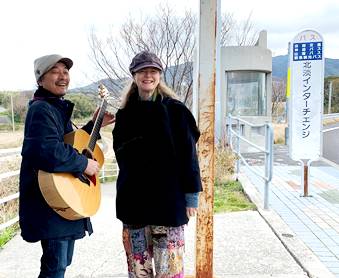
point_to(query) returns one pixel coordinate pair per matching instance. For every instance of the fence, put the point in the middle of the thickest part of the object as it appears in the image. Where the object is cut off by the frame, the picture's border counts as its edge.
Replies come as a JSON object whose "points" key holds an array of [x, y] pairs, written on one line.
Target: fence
{"points": [[108, 170], [331, 116], [267, 150]]}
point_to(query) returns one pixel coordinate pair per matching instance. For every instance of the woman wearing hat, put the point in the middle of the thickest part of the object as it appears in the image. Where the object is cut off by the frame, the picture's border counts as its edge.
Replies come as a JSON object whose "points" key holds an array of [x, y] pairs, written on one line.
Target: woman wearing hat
{"points": [[154, 140]]}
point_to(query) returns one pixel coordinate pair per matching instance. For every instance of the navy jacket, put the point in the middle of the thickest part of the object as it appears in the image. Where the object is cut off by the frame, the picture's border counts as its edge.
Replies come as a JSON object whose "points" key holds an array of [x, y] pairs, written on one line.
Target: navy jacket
{"points": [[155, 147], [47, 121]]}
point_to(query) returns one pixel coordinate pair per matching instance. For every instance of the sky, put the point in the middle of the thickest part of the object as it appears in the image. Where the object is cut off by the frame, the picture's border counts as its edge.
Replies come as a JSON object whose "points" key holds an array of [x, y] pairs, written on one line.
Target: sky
{"points": [[30, 29]]}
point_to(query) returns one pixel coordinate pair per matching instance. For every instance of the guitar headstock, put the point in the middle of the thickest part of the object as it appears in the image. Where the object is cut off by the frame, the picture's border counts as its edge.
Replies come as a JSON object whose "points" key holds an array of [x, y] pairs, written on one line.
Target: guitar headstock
{"points": [[102, 91]]}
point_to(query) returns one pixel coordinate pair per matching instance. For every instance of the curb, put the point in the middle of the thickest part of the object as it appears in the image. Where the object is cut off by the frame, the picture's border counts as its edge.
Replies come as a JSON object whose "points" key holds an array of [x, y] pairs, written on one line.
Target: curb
{"points": [[307, 260]]}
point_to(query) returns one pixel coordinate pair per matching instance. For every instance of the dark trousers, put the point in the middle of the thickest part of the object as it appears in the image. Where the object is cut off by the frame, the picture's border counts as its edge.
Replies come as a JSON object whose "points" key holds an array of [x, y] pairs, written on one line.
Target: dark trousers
{"points": [[56, 256]]}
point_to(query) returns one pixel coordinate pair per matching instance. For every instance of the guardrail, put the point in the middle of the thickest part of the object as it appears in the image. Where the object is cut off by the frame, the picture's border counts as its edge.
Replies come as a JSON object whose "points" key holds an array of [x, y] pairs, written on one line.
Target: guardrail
{"points": [[108, 170], [8, 199], [268, 150], [331, 116]]}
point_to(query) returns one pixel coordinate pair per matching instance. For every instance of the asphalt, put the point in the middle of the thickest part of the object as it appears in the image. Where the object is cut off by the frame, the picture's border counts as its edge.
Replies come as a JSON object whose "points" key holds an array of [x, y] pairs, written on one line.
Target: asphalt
{"points": [[256, 244]]}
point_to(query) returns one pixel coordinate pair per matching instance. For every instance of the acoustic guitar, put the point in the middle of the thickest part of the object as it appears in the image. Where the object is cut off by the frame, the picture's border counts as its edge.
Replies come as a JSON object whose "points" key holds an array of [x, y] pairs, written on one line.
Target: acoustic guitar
{"points": [[77, 197]]}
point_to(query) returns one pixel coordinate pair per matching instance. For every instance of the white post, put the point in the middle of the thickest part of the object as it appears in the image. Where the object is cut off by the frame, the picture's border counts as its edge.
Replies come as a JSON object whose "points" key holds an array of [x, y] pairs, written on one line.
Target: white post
{"points": [[13, 125], [329, 97]]}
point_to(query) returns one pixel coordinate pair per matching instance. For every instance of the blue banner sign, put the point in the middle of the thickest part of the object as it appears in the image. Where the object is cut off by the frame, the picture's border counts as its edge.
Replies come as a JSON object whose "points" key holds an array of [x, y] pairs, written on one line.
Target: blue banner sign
{"points": [[307, 51]]}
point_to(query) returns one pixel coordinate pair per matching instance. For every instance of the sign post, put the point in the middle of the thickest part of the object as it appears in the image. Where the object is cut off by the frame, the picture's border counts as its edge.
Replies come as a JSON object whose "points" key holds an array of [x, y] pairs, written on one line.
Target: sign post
{"points": [[306, 88]]}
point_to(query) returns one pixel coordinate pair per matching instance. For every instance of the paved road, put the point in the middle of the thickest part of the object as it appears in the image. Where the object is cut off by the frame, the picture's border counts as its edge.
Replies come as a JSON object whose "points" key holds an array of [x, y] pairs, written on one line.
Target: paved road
{"points": [[330, 143]]}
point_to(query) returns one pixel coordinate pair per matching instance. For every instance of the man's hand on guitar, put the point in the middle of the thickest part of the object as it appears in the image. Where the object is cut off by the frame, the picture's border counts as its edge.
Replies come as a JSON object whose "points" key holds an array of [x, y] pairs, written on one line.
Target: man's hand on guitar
{"points": [[92, 167]]}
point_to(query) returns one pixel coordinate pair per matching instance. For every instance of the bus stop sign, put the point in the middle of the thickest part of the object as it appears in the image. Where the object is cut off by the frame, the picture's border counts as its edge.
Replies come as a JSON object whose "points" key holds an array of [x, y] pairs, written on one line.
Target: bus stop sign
{"points": [[306, 62]]}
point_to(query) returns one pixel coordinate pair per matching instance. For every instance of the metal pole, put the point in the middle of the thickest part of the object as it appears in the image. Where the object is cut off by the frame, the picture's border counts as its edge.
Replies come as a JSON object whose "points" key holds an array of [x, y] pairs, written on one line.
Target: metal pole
{"points": [[13, 125], [329, 97], [206, 120], [267, 157], [238, 147], [305, 180], [229, 132], [305, 176]]}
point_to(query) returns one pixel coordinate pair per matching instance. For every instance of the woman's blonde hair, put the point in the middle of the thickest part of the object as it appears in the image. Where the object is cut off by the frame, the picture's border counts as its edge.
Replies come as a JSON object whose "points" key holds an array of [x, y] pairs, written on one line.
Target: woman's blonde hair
{"points": [[162, 89]]}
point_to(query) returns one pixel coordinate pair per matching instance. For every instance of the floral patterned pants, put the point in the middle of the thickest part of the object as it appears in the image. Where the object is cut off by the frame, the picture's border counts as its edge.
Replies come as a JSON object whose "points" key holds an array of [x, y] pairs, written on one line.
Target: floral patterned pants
{"points": [[164, 244]]}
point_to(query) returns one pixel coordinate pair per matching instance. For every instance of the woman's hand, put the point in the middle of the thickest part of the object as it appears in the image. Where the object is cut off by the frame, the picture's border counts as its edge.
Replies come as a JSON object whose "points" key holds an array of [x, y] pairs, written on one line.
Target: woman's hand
{"points": [[191, 212], [109, 118]]}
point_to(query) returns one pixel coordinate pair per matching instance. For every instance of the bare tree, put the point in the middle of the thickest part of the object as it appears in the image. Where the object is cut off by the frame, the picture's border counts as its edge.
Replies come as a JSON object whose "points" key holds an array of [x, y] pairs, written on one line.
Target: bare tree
{"points": [[227, 23], [278, 97], [234, 32], [171, 37]]}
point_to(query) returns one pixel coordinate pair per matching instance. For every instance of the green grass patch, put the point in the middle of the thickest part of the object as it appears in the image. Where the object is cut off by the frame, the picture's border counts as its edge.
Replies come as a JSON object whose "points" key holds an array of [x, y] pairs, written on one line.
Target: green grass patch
{"points": [[230, 196], [7, 234], [108, 179]]}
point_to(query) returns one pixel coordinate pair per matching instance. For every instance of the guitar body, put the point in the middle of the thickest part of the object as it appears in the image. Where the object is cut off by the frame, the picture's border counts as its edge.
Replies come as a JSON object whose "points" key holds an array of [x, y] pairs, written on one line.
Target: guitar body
{"points": [[71, 197]]}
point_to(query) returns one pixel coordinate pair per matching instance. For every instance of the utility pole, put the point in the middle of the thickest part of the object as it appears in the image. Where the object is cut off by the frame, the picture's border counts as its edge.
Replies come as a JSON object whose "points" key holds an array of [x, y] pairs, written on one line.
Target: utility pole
{"points": [[206, 121]]}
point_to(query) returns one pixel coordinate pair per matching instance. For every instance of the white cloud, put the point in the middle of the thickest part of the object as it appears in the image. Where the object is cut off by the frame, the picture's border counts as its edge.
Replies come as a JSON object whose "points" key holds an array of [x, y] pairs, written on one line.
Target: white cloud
{"points": [[30, 29]]}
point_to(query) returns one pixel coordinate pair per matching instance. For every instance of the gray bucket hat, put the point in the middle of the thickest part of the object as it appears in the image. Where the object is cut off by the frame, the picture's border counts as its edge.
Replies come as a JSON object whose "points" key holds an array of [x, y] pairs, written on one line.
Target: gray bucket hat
{"points": [[145, 59], [45, 63]]}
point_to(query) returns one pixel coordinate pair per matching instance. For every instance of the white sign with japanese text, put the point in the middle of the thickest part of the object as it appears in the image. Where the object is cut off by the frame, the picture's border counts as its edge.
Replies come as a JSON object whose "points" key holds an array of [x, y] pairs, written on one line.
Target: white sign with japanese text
{"points": [[306, 63]]}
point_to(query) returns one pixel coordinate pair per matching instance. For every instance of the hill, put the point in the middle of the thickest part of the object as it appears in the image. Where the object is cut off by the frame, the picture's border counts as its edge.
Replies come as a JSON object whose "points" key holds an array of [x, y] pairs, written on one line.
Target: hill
{"points": [[115, 86], [279, 66], [279, 71]]}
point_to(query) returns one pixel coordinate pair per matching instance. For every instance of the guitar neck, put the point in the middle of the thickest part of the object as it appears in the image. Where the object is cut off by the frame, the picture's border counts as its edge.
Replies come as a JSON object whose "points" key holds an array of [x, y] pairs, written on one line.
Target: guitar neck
{"points": [[97, 125]]}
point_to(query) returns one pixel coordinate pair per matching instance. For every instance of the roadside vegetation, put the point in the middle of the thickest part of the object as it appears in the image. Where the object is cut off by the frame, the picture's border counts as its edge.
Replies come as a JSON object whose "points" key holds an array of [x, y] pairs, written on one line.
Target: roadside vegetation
{"points": [[229, 195], [8, 210]]}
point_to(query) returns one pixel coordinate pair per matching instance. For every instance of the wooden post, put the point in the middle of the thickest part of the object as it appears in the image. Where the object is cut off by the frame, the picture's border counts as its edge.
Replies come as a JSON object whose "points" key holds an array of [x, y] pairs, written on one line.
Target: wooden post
{"points": [[305, 180], [206, 121]]}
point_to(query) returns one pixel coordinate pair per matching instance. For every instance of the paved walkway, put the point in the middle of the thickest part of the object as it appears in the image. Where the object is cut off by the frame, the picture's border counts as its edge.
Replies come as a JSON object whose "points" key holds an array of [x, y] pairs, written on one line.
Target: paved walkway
{"points": [[297, 237], [314, 220], [245, 246]]}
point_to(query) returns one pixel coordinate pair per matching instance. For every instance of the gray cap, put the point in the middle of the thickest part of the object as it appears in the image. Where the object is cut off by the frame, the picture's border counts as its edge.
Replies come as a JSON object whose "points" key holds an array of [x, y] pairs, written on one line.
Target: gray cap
{"points": [[145, 59], [45, 63]]}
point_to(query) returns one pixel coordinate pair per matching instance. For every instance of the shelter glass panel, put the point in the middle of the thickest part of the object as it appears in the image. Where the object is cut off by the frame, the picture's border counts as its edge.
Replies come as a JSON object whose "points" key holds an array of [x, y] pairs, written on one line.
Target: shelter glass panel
{"points": [[246, 93]]}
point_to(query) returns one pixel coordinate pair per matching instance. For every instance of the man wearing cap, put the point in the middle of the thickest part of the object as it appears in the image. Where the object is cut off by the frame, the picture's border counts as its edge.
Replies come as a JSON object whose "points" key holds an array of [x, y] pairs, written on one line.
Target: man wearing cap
{"points": [[154, 140], [47, 121]]}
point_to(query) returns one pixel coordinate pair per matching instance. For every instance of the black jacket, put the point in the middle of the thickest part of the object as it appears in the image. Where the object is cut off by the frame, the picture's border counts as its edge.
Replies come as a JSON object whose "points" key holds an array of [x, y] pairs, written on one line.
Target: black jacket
{"points": [[155, 147], [47, 120]]}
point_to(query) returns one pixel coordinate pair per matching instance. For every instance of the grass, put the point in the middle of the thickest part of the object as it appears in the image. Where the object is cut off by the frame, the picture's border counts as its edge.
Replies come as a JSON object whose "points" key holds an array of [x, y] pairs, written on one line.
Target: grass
{"points": [[7, 234], [230, 197], [10, 209], [108, 179], [228, 194]]}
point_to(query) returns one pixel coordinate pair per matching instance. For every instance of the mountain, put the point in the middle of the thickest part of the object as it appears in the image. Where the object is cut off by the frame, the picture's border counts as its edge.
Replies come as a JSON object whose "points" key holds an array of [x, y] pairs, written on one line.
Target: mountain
{"points": [[279, 71], [117, 85], [279, 66], [111, 85]]}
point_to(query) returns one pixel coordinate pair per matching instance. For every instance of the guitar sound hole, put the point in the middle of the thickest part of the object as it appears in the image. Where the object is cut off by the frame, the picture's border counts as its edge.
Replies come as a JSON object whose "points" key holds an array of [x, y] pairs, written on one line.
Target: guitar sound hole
{"points": [[84, 179], [87, 153]]}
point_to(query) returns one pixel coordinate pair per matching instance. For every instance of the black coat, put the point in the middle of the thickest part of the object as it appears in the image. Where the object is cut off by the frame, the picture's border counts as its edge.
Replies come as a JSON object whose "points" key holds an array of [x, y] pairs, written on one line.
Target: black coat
{"points": [[155, 147], [47, 120]]}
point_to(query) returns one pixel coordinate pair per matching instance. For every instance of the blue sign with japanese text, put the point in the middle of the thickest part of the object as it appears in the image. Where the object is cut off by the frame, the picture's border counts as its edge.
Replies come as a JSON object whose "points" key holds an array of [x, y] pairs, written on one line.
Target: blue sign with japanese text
{"points": [[307, 51]]}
